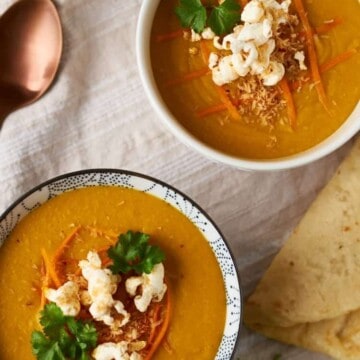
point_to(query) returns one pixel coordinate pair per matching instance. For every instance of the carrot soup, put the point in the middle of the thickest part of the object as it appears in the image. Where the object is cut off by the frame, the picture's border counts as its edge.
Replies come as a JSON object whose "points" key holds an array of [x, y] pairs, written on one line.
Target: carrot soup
{"points": [[109, 269], [258, 79]]}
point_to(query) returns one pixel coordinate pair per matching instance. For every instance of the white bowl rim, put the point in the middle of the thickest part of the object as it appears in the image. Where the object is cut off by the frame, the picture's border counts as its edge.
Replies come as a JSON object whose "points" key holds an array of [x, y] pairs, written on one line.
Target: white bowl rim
{"points": [[42, 185], [344, 133]]}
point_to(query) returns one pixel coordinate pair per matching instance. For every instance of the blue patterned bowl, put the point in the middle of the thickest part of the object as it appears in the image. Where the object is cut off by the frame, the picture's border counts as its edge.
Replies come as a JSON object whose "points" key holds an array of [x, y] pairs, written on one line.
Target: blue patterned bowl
{"points": [[103, 177]]}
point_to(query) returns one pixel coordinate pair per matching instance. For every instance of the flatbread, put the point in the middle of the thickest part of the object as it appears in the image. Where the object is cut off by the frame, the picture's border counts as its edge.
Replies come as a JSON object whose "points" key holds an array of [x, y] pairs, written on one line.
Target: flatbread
{"points": [[310, 295], [339, 337]]}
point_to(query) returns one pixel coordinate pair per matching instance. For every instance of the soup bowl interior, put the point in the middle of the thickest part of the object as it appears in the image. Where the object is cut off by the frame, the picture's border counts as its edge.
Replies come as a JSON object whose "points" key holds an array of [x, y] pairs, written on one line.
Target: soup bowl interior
{"points": [[345, 132], [128, 180]]}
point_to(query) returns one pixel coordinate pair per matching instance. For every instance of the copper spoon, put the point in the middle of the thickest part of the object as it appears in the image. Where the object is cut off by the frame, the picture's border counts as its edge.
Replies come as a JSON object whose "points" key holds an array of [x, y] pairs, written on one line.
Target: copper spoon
{"points": [[30, 51]]}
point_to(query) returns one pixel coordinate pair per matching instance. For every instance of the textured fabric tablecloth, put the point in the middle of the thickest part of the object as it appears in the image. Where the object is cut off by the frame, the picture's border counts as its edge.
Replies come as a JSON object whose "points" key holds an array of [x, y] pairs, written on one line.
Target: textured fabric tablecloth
{"points": [[96, 115]]}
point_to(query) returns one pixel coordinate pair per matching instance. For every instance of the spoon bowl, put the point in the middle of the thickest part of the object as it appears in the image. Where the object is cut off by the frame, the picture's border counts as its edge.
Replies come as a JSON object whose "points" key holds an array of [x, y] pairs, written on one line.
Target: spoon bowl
{"points": [[30, 52]]}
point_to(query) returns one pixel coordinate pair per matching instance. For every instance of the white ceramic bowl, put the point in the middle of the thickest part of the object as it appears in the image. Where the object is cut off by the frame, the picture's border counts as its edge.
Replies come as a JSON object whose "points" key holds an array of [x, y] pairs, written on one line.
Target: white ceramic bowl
{"points": [[104, 177], [343, 134]]}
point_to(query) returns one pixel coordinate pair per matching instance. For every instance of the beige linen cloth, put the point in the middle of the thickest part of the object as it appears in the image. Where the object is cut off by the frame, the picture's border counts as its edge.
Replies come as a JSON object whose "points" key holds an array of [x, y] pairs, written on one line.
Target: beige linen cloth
{"points": [[97, 115]]}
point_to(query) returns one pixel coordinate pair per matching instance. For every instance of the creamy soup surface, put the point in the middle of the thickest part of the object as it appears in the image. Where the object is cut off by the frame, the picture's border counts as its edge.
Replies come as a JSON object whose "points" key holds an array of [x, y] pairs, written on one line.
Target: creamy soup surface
{"points": [[194, 277], [174, 58]]}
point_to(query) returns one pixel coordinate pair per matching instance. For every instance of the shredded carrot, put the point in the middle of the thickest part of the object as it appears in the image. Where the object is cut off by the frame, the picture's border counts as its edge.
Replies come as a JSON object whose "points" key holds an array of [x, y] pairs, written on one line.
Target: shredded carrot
{"points": [[296, 84], [328, 65], [44, 285], [169, 36], [50, 269], [211, 110], [103, 249], [243, 3], [291, 109], [51, 264], [222, 93], [338, 60], [164, 326], [205, 51], [106, 262], [227, 102], [50, 274], [155, 323], [60, 250], [43, 299], [327, 26], [166, 345], [187, 77], [314, 65]]}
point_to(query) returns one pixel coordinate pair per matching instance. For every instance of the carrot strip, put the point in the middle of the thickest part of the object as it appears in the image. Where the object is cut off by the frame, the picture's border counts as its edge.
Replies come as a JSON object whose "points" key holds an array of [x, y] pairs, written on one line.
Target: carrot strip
{"points": [[164, 326], [50, 269], [103, 250], [44, 285], [187, 77], [243, 3], [166, 345], [314, 65], [328, 65], [227, 102], [205, 51], [106, 262], [169, 36], [291, 109], [155, 325], [337, 60], [65, 244], [211, 110], [51, 264], [326, 27], [43, 298]]}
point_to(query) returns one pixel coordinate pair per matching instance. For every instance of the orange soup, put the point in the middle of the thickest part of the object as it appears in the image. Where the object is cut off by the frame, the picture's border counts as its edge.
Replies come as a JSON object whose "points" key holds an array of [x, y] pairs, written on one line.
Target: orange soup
{"points": [[93, 216], [246, 118]]}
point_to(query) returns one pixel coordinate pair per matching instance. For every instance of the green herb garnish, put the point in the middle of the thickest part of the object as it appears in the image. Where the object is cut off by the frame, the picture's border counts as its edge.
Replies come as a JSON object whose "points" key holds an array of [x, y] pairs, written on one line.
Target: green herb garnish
{"points": [[63, 337], [133, 252], [192, 14], [222, 18]]}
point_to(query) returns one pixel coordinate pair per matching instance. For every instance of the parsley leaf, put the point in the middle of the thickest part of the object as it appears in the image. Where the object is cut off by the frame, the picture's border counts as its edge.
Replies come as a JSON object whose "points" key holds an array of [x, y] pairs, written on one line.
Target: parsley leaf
{"points": [[132, 252], [151, 256], [52, 320], [85, 334], [64, 337], [224, 17], [44, 348], [192, 14]]}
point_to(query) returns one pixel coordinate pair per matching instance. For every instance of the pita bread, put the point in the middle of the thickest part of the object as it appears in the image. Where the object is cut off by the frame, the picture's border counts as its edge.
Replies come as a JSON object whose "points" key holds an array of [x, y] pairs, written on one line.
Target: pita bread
{"points": [[339, 337], [310, 295]]}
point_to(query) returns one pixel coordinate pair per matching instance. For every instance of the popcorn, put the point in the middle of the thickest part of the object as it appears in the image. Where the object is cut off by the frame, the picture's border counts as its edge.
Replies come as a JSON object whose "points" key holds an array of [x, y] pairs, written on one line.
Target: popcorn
{"points": [[102, 284], [152, 285], [253, 12], [114, 351], [252, 45], [300, 57], [66, 297], [273, 74]]}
